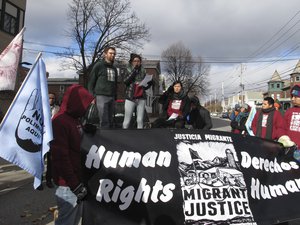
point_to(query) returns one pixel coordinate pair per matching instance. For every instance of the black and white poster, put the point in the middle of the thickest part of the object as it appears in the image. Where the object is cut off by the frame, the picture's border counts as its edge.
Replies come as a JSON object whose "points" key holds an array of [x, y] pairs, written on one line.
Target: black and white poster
{"points": [[213, 187]]}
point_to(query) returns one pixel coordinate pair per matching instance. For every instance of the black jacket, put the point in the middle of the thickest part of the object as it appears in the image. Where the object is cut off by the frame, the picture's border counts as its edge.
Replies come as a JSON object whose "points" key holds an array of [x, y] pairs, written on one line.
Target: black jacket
{"points": [[200, 118], [169, 96]]}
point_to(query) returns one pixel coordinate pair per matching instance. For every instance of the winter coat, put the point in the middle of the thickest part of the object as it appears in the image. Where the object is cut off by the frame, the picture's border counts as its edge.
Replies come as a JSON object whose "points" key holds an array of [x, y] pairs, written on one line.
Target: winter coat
{"points": [[132, 78], [199, 118], [65, 147], [238, 124], [167, 101], [292, 124], [103, 79], [278, 128]]}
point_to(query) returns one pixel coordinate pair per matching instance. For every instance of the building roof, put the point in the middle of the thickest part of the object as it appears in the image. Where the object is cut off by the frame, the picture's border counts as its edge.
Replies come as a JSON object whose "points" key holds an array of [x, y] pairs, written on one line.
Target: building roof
{"points": [[63, 81], [297, 68], [276, 77]]}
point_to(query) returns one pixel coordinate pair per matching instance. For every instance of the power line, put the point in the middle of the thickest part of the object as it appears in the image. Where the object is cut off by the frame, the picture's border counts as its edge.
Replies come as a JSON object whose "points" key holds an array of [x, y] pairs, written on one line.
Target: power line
{"points": [[269, 40]]}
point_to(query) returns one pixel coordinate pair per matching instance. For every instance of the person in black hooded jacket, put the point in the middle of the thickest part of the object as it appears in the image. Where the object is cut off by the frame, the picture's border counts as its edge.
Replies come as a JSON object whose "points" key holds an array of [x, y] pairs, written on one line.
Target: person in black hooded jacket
{"points": [[175, 105], [199, 116]]}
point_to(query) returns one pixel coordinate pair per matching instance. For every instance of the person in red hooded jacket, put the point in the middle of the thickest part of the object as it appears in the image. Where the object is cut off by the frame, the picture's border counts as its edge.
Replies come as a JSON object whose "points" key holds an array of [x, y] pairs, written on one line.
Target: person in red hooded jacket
{"points": [[65, 153]]}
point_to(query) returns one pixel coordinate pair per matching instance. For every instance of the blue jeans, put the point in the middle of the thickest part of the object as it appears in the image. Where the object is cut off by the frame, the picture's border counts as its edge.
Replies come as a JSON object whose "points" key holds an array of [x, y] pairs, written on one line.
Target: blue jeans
{"points": [[69, 212]]}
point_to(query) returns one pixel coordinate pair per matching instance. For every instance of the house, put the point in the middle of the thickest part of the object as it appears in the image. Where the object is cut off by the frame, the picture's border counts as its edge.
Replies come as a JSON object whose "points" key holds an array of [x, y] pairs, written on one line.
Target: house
{"points": [[58, 86], [252, 98], [280, 89]]}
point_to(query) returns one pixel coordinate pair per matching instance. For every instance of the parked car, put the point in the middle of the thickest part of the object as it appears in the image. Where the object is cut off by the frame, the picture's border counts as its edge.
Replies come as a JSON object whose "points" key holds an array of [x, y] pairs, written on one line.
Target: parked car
{"points": [[224, 115], [214, 114]]}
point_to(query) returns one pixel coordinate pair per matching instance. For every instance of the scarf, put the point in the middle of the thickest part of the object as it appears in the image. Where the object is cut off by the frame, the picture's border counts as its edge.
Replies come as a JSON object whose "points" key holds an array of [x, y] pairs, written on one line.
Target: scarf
{"points": [[178, 96], [269, 125]]}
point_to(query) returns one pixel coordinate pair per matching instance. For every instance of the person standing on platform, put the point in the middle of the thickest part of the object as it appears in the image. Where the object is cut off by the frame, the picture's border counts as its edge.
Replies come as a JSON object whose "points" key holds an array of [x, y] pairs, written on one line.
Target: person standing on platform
{"points": [[103, 85], [135, 95]]}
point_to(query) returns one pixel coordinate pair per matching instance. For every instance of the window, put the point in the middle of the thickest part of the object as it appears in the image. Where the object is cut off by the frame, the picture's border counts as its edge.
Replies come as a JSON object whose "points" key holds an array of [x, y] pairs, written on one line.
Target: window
{"points": [[278, 85], [11, 17], [62, 88], [9, 24], [272, 85], [297, 78]]}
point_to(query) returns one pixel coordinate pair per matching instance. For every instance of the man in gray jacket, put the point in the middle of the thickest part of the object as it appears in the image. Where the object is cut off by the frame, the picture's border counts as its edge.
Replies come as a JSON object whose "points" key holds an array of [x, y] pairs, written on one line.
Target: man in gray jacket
{"points": [[103, 85]]}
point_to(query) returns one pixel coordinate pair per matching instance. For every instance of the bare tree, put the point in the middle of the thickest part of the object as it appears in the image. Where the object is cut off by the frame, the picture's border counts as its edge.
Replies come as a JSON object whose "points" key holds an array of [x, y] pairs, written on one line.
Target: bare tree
{"points": [[96, 24], [179, 64]]}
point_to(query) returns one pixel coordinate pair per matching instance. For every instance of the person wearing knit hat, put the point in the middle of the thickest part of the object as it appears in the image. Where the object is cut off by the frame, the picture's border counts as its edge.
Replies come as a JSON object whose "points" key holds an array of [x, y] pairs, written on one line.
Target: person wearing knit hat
{"points": [[292, 116], [295, 92], [238, 124], [135, 95], [268, 123], [235, 112]]}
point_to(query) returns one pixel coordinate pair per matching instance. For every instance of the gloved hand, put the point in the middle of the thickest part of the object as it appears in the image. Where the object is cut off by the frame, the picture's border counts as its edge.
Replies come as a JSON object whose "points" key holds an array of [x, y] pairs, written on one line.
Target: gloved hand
{"points": [[90, 128], [288, 144], [286, 141], [80, 191]]}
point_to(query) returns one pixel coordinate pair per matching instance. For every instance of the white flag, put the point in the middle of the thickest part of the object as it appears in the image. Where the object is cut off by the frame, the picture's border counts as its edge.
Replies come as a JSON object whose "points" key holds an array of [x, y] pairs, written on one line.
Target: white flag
{"points": [[9, 62], [249, 121], [26, 129]]}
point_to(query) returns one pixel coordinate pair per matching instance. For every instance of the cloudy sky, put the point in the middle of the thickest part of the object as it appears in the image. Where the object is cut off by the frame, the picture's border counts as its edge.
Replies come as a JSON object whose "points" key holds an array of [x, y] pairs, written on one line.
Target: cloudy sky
{"points": [[243, 41]]}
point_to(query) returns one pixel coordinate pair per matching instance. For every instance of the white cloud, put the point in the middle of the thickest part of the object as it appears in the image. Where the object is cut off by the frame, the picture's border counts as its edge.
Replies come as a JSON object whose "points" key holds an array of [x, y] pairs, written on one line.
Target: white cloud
{"points": [[226, 30]]}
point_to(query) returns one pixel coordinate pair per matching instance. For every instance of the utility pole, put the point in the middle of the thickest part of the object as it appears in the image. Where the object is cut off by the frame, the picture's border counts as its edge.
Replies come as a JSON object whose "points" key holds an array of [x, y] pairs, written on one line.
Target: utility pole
{"points": [[216, 100], [242, 85], [223, 100]]}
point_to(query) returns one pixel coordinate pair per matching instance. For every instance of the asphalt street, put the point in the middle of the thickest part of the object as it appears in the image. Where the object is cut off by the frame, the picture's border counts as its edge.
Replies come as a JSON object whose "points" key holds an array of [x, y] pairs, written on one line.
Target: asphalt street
{"points": [[22, 205]]}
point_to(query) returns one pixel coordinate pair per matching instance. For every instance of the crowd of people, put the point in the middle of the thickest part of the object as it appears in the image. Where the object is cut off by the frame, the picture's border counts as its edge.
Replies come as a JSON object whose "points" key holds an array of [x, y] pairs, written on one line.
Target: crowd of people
{"points": [[63, 161], [178, 111], [270, 122]]}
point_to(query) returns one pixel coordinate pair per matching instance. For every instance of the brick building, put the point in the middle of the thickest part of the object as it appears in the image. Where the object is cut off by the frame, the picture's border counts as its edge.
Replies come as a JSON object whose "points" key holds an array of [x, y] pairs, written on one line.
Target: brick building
{"points": [[12, 15]]}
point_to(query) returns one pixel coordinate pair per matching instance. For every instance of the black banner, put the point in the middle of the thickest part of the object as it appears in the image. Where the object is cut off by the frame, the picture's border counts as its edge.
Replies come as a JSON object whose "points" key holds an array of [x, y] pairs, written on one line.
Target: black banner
{"points": [[161, 177]]}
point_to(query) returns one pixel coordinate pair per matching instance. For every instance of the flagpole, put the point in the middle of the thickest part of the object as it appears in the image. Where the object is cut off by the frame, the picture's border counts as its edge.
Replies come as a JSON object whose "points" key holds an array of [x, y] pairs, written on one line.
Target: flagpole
{"points": [[21, 87]]}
